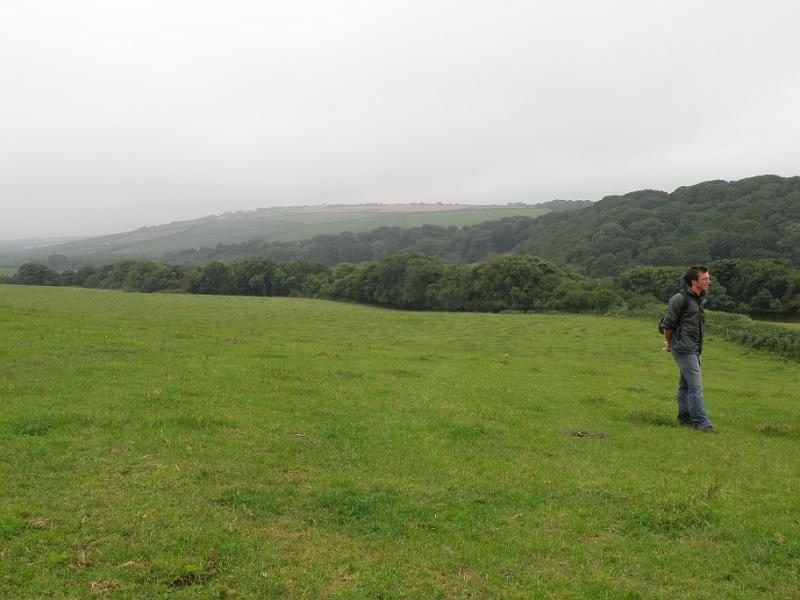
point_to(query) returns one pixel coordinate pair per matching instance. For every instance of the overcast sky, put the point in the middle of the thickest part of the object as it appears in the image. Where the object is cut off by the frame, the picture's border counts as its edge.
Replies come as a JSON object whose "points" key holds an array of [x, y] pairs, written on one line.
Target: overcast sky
{"points": [[116, 114]]}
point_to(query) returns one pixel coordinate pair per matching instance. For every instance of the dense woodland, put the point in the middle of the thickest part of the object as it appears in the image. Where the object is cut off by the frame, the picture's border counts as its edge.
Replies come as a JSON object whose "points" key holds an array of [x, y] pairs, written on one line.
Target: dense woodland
{"points": [[755, 218]]}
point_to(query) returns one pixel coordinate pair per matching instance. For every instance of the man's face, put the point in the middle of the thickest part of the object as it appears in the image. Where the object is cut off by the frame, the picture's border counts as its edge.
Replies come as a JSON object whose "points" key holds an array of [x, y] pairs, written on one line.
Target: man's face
{"points": [[703, 281]]}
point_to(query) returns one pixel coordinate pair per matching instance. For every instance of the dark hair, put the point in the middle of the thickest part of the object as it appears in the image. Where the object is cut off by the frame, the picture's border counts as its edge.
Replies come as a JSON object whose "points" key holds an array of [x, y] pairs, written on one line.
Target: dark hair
{"points": [[694, 273]]}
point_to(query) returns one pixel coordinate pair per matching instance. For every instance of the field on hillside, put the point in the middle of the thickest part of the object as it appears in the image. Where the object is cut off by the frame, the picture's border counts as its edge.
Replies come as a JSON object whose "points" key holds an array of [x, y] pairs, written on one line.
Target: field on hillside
{"points": [[367, 222], [288, 226], [791, 325], [7, 271], [176, 446]]}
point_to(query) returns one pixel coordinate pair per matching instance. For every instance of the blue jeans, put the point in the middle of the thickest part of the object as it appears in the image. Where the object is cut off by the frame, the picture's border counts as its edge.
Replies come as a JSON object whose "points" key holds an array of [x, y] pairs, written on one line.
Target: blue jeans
{"points": [[691, 409]]}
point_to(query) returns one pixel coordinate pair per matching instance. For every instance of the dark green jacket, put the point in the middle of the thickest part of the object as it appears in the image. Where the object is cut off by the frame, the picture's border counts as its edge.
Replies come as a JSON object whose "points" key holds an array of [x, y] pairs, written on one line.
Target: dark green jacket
{"points": [[686, 320]]}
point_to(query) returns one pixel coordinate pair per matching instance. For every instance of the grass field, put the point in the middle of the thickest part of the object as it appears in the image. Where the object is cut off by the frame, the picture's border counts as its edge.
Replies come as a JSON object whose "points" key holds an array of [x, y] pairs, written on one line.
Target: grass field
{"points": [[325, 225], [7, 271], [169, 446]]}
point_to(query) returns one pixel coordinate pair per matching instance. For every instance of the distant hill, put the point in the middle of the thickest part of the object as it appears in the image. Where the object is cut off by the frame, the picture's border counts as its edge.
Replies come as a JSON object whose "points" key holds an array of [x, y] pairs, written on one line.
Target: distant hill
{"points": [[31, 244], [282, 224], [752, 218]]}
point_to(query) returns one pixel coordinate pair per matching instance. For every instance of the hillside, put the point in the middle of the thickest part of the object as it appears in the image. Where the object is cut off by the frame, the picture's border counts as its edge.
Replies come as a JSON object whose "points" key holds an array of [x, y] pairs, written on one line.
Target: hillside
{"points": [[270, 224], [755, 218], [23, 245], [751, 219]]}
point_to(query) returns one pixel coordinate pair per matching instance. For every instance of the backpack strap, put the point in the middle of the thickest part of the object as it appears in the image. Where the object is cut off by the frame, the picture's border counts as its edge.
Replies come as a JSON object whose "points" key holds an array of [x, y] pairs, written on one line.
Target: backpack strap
{"points": [[683, 306]]}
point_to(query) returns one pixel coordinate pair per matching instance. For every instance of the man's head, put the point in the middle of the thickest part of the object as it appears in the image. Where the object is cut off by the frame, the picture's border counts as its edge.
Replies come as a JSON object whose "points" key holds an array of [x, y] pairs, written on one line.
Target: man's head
{"points": [[698, 279]]}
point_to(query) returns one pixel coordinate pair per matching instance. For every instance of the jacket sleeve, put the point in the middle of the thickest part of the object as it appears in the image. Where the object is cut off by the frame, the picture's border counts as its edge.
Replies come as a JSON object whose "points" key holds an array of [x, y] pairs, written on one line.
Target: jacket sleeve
{"points": [[675, 308]]}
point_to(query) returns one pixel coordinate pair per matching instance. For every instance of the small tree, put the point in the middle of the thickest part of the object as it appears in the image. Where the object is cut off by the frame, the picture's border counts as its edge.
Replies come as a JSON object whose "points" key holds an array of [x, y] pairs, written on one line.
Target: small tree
{"points": [[35, 274]]}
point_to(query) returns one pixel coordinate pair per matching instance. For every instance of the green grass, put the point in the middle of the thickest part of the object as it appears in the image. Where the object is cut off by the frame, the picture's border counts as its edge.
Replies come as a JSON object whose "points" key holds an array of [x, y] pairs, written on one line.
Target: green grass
{"points": [[164, 446], [7, 271], [324, 224], [471, 217]]}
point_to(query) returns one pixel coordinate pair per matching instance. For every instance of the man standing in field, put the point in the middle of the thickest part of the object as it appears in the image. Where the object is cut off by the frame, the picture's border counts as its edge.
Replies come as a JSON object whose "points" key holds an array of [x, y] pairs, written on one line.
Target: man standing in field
{"points": [[683, 337]]}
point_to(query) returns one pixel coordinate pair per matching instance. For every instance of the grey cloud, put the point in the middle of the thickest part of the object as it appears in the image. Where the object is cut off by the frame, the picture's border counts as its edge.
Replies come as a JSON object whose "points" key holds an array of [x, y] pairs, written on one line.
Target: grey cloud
{"points": [[116, 115]]}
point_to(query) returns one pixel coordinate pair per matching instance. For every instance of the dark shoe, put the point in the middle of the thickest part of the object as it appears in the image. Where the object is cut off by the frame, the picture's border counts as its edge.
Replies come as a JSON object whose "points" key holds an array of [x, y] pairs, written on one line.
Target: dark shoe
{"points": [[707, 429]]}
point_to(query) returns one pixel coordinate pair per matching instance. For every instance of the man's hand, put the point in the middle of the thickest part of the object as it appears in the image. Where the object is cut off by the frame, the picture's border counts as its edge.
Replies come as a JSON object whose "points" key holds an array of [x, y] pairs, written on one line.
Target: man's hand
{"points": [[665, 347]]}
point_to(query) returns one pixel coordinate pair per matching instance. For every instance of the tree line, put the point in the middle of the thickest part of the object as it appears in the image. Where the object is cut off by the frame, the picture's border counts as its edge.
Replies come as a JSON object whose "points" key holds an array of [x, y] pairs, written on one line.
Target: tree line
{"points": [[765, 288]]}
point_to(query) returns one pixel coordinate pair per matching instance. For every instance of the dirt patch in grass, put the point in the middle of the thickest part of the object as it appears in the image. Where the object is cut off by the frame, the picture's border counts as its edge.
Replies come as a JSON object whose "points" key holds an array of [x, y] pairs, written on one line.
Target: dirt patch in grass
{"points": [[102, 587], [38, 522], [779, 430], [583, 434]]}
